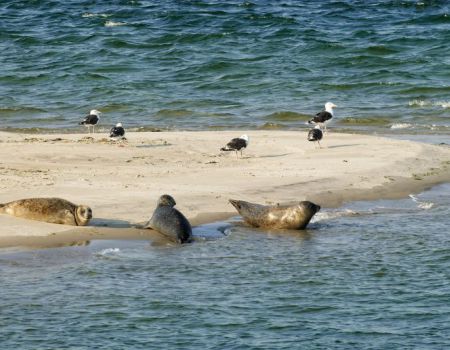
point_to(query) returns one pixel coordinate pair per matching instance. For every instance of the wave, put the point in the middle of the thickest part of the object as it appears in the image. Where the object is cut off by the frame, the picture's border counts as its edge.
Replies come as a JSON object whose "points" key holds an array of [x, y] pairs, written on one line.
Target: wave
{"points": [[429, 103], [425, 90], [174, 113], [26, 110], [94, 15], [114, 24], [271, 126], [421, 127], [376, 121], [287, 116], [327, 215], [108, 251], [420, 204], [402, 126], [381, 50]]}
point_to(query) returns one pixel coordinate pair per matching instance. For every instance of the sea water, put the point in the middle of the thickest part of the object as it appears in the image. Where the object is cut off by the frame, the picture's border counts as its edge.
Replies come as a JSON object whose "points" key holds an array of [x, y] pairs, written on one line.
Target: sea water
{"points": [[368, 275], [225, 64]]}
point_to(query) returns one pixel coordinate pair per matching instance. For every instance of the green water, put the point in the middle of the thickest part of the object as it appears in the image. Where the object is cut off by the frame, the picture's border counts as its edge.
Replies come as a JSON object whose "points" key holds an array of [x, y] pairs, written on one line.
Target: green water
{"points": [[234, 64]]}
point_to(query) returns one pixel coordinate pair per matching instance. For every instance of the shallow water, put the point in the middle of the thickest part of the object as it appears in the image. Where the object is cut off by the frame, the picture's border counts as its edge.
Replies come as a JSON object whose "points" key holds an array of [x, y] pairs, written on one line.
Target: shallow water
{"points": [[367, 275], [233, 64]]}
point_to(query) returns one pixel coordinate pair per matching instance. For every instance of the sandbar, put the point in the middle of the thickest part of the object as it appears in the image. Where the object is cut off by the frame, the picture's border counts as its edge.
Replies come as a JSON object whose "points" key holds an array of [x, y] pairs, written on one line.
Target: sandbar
{"points": [[122, 180]]}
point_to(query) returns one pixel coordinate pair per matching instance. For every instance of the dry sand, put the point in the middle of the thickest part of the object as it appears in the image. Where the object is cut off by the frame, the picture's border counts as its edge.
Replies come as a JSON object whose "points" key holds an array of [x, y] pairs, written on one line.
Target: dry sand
{"points": [[122, 181]]}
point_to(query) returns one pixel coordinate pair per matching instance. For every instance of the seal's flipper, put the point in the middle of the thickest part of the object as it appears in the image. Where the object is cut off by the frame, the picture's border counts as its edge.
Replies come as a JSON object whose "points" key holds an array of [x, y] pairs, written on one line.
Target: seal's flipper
{"points": [[147, 226]]}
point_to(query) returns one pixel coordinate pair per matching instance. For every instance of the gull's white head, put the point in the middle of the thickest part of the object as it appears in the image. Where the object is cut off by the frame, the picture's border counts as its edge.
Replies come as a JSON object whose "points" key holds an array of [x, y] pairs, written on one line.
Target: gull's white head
{"points": [[244, 137], [95, 112], [118, 125], [329, 106]]}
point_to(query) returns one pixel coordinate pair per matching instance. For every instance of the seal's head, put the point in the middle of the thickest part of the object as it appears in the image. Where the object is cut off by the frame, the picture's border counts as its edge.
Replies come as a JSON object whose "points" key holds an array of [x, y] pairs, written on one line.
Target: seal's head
{"points": [[166, 200], [83, 215], [310, 207]]}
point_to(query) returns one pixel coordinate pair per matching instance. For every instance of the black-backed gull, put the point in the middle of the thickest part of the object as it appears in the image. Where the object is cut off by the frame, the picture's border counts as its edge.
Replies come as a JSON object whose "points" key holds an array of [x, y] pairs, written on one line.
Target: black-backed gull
{"points": [[117, 131], [323, 117], [237, 144], [91, 120], [315, 135]]}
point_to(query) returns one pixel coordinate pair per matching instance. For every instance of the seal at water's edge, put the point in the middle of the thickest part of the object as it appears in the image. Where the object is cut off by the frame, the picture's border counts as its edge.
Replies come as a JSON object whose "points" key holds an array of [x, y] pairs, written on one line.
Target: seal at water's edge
{"points": [[169, 221], [52, 210], [293, 217]]}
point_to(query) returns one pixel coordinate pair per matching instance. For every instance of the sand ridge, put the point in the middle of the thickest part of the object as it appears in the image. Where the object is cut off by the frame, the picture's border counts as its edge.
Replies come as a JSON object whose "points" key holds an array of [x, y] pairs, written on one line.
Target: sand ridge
{"points": [[121, 181]]}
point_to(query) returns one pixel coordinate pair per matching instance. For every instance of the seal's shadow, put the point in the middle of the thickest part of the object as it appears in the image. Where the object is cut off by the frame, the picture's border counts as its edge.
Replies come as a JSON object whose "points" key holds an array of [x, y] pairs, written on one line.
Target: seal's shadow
{"points": [[101, 222]]}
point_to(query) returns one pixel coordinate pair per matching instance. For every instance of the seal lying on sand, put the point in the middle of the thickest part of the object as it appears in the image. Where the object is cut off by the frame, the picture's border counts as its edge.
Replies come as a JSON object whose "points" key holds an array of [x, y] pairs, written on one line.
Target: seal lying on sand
{"points": [[53, 210], [169, 221], [294, 217]]}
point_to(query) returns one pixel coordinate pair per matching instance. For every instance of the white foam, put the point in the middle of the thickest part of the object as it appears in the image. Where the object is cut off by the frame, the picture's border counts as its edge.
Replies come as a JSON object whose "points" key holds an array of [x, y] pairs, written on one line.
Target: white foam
{"points": [[421, 205], [91, 15], [401, 126], [114, 24], [327, 215], [426, 205], [425, 103], [419, 103], [109, 251]]}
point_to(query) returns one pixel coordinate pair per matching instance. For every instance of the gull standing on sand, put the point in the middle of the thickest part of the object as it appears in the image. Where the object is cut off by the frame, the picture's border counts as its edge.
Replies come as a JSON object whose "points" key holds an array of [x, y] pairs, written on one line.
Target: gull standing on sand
{"points": [[315, 135], [237, 144], [117, 131], [322, 118], [91, 120]]}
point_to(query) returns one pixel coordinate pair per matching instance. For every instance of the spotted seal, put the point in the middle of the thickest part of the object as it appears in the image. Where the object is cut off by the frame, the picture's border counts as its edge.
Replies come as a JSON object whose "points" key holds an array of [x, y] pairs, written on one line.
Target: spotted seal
{"points": [[53, 210], [294, 217], [169, 221]]}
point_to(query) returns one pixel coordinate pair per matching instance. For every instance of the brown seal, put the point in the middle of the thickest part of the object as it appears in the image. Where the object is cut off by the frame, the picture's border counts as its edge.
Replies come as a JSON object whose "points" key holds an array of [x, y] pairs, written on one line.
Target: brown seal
{"points": [[293, 217], [53, 210]]}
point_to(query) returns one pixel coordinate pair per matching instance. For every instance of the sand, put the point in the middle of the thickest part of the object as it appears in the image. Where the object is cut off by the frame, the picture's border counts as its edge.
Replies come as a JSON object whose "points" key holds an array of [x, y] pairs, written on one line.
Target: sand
{"points": [[121, 181]]}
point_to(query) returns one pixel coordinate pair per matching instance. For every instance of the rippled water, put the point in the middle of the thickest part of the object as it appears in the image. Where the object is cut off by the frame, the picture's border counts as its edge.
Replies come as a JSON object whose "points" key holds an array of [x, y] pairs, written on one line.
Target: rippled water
{"points": [[368, 275], [225, 64]]}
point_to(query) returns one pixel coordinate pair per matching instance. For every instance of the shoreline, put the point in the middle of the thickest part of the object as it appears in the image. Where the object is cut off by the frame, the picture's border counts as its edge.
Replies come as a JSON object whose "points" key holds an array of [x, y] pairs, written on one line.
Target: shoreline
{"points": [[121, 181]]}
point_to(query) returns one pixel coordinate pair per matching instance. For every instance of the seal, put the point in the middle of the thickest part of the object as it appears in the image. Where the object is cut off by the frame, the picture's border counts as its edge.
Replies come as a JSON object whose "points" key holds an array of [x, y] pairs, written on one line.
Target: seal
{"points": [[293, 217], [53, 210], [169, 221]]}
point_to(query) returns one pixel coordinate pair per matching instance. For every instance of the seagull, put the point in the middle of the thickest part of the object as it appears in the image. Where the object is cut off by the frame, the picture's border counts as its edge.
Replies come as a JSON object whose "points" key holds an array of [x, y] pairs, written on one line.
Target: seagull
{"points": [[323, 117], [91, 120], [117, 131], [237, 144], [315, 135]]}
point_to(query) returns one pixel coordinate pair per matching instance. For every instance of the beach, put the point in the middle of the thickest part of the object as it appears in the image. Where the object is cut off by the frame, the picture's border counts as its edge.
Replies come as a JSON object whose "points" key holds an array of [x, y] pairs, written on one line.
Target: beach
{"points": [[122, 180]]}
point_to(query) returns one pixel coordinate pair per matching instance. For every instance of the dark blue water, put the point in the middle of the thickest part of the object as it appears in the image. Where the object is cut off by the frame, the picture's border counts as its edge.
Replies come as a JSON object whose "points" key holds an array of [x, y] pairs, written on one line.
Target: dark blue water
{"points": [[370, 275], [225, 64]]}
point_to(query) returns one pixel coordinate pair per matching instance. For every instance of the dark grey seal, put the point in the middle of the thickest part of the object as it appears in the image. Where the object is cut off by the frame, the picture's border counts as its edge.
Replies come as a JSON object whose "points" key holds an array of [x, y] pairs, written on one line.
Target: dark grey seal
{"points": [[169, 221], [293, 217]]}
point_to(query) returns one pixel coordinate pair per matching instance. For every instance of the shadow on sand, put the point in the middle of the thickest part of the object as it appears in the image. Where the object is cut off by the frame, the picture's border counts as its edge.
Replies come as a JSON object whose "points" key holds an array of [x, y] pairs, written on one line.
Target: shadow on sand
{"points": [[348, 145], [100, 222]]}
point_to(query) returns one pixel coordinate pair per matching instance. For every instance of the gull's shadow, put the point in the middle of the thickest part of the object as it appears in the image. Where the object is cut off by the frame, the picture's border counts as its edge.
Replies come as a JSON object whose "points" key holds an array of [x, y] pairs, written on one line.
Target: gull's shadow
{"points": [[275, 155], [101, 222], [348, 145], [154, 146]]}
